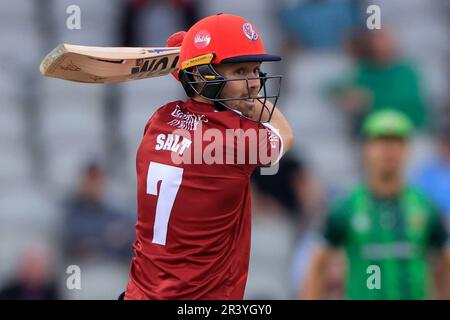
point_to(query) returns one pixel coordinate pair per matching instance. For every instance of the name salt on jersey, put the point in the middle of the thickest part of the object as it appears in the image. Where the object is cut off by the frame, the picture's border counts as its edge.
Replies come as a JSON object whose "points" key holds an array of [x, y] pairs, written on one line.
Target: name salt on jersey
{"points": [[172, 142]]}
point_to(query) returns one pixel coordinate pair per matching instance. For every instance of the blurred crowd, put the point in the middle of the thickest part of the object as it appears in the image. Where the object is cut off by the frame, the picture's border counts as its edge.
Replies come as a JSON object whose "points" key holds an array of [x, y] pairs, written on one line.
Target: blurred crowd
{"points": [[336, 74]]}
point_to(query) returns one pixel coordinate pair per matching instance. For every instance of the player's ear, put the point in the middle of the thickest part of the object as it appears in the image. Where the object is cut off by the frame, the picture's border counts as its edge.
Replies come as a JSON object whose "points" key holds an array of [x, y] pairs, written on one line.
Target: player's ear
{"points": [[196, 75], [187, 77], [199, 79]]}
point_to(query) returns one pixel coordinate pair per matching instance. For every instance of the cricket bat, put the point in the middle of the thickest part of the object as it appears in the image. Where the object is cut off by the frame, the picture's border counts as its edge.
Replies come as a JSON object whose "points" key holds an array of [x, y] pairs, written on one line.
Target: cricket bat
{"points": [[108, 64]]}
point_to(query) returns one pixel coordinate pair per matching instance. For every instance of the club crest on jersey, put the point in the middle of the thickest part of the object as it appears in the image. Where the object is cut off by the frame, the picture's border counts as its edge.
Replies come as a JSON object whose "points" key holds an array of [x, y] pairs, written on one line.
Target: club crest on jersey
{"points": [[186, 120], [249, 32], [202, 39]]}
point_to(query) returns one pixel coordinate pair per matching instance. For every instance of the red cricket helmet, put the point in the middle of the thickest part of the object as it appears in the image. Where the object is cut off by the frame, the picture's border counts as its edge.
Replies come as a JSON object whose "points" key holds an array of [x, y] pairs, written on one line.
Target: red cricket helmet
{"points": [[218, 39], [229, 38]]}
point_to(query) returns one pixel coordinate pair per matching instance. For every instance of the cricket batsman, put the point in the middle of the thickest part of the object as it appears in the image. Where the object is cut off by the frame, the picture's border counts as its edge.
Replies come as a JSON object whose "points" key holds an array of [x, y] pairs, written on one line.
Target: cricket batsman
{"points": [[193, 180]]}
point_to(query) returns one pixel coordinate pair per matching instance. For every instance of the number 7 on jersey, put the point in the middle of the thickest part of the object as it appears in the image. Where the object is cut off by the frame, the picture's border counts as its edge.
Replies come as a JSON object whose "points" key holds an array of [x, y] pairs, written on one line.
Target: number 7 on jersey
{"points": [[170, 178]]}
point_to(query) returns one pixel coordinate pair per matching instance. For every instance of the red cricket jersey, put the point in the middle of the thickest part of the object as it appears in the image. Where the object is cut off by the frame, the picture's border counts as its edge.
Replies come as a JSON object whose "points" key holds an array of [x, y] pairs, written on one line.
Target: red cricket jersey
{"points": [[194, 219]]}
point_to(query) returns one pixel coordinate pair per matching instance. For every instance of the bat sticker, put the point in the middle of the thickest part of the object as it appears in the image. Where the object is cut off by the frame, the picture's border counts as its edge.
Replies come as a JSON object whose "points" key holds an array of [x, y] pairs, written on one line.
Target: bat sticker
{"points": [[158, 50]]}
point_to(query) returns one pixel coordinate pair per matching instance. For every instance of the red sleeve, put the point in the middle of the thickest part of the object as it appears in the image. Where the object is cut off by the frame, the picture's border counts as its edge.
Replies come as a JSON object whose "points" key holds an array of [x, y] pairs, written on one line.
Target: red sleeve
{"points": [[263, 145], [271, 145]]}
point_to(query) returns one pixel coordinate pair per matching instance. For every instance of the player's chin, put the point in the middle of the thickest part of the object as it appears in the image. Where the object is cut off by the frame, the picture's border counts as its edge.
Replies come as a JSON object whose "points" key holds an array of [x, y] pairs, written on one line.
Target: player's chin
{"points": [[247, 106]]}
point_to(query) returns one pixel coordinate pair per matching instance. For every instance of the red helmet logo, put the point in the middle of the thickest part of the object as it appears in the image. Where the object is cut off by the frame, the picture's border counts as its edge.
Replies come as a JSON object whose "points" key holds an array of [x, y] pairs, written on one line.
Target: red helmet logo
{"points": [[202, 39], [249, 31]]}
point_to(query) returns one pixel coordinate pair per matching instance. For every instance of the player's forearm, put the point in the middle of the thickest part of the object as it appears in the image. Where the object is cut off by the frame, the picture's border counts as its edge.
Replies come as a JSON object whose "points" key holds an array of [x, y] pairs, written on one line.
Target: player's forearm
{"points": [[441, 275], [314, 283], [312, 290], [447, 274]]}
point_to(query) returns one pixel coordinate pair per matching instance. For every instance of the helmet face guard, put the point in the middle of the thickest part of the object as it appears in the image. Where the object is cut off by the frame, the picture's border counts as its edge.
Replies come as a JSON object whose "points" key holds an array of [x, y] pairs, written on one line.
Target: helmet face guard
{"points": [[210, 85]]}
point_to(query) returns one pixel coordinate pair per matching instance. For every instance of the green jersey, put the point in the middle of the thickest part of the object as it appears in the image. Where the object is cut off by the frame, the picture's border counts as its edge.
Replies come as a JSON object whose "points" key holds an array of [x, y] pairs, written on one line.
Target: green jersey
{"points": [[388, 236]]}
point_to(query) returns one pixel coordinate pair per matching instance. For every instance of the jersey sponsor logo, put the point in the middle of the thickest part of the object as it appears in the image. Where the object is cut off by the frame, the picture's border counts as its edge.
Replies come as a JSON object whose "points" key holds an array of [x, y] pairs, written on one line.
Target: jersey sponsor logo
{"points": [[172, 142], [202, 39], [392, 250], [250, 32], [186, 120]]}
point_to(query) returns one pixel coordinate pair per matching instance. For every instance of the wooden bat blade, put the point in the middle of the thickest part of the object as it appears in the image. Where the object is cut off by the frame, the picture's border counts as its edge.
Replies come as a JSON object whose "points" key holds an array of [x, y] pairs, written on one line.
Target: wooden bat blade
{"points": [[108, 64]]}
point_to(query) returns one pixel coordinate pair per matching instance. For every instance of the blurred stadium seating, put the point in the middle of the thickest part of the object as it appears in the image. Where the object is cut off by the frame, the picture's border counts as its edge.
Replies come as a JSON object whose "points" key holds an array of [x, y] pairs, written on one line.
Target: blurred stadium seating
{"points": [[48, 128]]}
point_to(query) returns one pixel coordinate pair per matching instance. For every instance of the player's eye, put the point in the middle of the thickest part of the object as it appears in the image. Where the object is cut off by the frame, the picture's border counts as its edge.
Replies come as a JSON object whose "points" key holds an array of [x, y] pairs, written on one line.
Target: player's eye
{"points": [[240, 71], [256, 71]]}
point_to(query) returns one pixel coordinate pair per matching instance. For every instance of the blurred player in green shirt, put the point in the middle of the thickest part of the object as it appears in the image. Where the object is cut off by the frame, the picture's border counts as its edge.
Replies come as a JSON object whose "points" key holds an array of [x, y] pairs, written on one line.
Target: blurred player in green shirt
{"points": [[387, 229], [382, 79]]}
